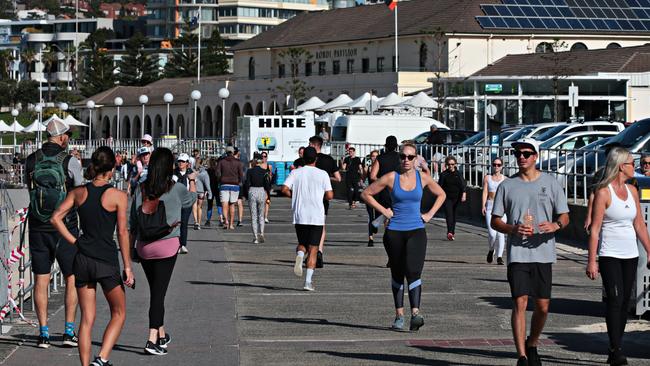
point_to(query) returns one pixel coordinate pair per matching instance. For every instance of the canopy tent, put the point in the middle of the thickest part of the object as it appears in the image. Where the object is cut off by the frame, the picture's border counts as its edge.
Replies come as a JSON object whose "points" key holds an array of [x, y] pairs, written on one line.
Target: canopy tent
{"points": [[71, 121], [329, 118], [421, 100], [16, 127], [5, 127], [336, 102], [310, 105], [391, 100], [52, 118], [360, 103], [34, 127]]}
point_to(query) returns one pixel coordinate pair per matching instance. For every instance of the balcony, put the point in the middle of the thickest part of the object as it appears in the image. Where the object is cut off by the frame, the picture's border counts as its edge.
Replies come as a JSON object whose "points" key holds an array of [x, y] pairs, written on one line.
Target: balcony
{"points": [[40, 37]]}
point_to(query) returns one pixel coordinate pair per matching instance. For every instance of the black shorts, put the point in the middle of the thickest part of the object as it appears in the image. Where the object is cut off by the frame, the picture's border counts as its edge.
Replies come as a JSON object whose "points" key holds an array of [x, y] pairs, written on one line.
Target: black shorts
{"points": [[44, 247], [326, 205], [530, 279], [90, 271], [309, 234]]}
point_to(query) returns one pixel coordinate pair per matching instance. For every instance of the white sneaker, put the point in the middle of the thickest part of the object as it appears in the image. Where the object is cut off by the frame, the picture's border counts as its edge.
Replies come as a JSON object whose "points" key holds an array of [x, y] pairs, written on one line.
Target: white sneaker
{"points": [[183, 250], [309, 287], [255, 241], [266, 221], [297, 267]]}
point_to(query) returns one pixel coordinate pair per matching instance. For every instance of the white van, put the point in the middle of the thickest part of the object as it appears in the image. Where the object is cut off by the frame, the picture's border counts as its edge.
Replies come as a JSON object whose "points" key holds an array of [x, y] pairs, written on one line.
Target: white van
{"points": [[371, 129]]}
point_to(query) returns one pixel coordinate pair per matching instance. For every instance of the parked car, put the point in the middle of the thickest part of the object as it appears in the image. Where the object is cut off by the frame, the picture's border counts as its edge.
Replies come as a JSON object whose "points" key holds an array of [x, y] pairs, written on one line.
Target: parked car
{"points": [[531, 131], [580, 127], [570, 141], [448, 137], [551, 165]]}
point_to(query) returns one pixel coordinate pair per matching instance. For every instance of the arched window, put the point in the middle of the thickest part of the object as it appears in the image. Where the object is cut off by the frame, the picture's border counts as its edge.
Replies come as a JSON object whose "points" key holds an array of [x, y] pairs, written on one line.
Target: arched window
{"points": [[251, 68], [579, 46], [544, 47], [423, 56], [613, 45]]}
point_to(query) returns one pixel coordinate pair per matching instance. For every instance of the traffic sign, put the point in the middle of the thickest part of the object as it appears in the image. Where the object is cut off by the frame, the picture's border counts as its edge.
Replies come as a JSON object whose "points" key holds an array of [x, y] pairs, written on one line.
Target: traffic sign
{"points": [[573, 96], [491, 110], [493, 88]]}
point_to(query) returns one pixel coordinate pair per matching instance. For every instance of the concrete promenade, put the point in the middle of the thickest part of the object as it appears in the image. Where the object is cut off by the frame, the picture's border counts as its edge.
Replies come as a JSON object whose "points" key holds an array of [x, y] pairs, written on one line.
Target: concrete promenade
{"points": [[232, 302]]}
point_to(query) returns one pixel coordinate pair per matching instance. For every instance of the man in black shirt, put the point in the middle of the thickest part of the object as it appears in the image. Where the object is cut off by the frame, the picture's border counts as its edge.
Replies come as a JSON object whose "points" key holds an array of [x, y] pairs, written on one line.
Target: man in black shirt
{"points": [[352, 166], [386, 162], [298, 162], [328, 164]]}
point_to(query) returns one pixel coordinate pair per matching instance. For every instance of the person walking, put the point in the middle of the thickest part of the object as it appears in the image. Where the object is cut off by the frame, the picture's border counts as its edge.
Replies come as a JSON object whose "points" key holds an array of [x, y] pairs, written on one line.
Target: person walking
{"points": [[240, 198], [372, 214], [617, 221], [269, 171], [203, 192], [308, 187], [182, 176], [214, 197], [256, 186], [101, 209], [354, 171], [496, 240], [405, 238], [230, 172], [536, 207], [298, 162], [50, 172], [454, 185], [155, 233]]}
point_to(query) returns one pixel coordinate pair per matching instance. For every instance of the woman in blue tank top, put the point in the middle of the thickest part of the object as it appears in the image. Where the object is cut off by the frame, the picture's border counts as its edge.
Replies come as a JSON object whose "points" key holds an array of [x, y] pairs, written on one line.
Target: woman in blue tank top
{"points": [[405, 238]]}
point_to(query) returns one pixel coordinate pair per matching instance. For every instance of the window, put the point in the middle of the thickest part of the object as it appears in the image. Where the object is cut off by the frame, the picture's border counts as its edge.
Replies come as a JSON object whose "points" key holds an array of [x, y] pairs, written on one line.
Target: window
{"points": [[308, 69], [380, 64], [322, 68], [350, 68], [281, 71], [251, 69], [365, 65], [613, 45], [544, 47], [423, 57], [578, 46], [336, 67], [393, 68]]}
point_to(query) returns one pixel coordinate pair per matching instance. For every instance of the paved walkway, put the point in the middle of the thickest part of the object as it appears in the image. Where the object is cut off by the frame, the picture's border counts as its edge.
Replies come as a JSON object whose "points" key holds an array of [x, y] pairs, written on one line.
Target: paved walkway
{"points": [[234, 302]]}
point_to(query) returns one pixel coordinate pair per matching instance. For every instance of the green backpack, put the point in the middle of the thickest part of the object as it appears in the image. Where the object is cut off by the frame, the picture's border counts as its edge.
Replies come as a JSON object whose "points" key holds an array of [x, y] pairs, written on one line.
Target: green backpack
{"points": [[47, 189]]}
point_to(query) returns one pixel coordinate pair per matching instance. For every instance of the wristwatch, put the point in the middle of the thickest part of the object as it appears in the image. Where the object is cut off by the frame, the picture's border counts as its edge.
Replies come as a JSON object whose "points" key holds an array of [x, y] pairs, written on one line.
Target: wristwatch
{"points": [[559, 224]]}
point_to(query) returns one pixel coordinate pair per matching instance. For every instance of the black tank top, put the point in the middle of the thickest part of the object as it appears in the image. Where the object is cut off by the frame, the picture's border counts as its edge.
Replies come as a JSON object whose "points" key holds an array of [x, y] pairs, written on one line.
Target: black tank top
{"points": [[98, 226], [388, 162]]}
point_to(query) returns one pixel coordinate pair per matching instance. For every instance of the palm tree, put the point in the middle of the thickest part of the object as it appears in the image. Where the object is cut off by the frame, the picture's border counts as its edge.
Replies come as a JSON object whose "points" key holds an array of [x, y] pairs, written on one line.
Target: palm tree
{"points": [[28, 56], [6, 58], [50, 60]]}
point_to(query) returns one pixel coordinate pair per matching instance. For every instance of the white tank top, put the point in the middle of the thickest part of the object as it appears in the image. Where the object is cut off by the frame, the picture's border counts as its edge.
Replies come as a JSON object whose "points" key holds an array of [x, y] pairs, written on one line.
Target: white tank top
{"points": [[493, 184], [617, 235]]}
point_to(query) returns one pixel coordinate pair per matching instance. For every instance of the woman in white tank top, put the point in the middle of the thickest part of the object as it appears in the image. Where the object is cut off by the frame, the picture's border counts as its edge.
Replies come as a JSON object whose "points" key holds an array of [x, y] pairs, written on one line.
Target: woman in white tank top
{"points": [[496, 240], [616, 223]]}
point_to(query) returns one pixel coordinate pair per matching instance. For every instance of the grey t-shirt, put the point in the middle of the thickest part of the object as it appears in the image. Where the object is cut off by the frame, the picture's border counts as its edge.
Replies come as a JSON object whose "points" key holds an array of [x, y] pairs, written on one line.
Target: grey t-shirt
{"points": [[178, 197], [545, 199]]}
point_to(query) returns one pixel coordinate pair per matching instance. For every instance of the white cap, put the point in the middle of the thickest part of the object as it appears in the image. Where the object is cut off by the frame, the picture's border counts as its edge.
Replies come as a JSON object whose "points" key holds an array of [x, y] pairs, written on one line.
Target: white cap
{"points": [[57, 127], [147, 137], [143, 150], [183, 157], [527, 142]]}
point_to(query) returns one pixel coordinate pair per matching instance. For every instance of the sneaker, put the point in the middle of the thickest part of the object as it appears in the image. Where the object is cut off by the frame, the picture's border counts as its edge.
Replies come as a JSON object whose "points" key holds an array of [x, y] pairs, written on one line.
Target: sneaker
{"points": [[500, 261], [164, 341], [43, 342], [183, 250], [450, 236], [256, 241], [490, 256], [297, 267], [196, 226], [261, 238], [319, 260], [371, 243], [266, 221], [522, 361], [98, 362], [70, 340], [398, 323], [239, 224], [417, 321], [532, 355], [617, 358], [207, 224], [308, 287], [154, 349]]}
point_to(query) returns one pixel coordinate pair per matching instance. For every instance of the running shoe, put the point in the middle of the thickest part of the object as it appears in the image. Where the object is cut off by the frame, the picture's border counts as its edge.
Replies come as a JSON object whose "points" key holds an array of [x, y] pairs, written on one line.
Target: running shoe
{"points": [[183, 250], [256, 241], [239, 224], [197, 227], [297, 267], [309, 287], [532, 355], [490, 256], [398, 323], [500, 261], [450, 236], [164, 341], [417, 321], [319, 260], [43, 342], [154, 349], [266, 221], [261, 238], [522, 361], [70, 340], [371, 243], [98, 362], [207, 224]]}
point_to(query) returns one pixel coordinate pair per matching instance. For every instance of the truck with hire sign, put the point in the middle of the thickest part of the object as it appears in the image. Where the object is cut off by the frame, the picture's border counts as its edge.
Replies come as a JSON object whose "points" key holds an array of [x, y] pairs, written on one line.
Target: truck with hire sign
{"points": [[279, 136]]}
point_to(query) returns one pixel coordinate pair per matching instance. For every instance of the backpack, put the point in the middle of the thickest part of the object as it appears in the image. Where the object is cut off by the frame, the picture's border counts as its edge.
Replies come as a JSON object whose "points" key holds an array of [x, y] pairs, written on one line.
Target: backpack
{"points": [[47, 189], [152, 220]]}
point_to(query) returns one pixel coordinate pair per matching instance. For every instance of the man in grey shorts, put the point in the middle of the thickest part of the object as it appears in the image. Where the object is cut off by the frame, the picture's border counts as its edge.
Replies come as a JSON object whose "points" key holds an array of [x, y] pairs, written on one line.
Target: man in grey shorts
{"points": [[536, 207], [230, 172]]}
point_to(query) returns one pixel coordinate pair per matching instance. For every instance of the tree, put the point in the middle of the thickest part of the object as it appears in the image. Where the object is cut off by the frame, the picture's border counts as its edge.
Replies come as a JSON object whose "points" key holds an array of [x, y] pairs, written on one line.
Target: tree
{"points": [[7, 9], [26, 92], [295, 87], [439, 37], [138, 67], [62, 94], [183, 60], [28, 56], [97, 39], [215, 61], [8, 95], [50, 61], [99, 74], [559, 67]]}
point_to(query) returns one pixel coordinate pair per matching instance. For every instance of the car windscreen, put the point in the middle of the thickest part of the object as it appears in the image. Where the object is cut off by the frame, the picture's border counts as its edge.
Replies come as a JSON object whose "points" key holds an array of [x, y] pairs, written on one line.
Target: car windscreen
{"points": [[631, 135], [421, 138], [520, 134], [549, 133], [474, 139], [548, 144], [596, 144]]}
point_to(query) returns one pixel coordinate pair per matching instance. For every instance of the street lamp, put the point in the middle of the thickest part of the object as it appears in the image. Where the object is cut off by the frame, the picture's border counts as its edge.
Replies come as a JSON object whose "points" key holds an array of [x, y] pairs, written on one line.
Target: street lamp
{"points": [[90, 105], [14, 113], [118, 102], [196, 95], [224, 93], [64, 107], [168, 98], [144, 100], [39, 135]]}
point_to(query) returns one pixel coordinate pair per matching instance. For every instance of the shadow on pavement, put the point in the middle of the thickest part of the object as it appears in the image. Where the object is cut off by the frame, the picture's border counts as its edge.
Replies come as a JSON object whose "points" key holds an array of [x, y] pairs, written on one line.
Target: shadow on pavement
{"points": [[312, 321], [328, 263], [447, 261], [408, 360], [242, 262], [236, 284], [558, 306], [635, 344], [554, 284], [123, 348]]}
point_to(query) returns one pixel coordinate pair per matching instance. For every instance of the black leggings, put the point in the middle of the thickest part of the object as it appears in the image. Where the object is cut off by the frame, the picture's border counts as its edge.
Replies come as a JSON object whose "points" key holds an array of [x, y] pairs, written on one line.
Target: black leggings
{"points": [[618, 278], [185, 218], [372, 215], [353, 191], [158, 272], [450, 214], [406, 251]]}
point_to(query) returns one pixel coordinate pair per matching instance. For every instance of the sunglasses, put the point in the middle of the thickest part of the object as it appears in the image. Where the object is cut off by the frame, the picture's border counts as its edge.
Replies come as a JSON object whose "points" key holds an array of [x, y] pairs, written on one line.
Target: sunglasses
{"points": [[451, 164], [525, 154], [409, 157], [496, 165], [645, 162]]}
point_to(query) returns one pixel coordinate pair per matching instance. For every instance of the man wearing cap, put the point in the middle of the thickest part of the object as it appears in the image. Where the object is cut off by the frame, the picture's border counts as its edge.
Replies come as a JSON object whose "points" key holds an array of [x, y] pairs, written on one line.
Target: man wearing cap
{"points": [[144, 153], [45, 244], [147, 141], [230, 172], [536, 207], [182, 175]]}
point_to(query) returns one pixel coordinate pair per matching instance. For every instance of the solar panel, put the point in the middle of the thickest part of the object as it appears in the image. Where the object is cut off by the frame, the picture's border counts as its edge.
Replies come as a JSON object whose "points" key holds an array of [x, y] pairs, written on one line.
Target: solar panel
{"points": [[596, 15]]}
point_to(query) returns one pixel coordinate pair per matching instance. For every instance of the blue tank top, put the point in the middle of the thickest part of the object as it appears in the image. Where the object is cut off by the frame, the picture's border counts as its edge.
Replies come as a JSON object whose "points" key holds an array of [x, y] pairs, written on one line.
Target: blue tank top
{"points": [[406, 206]]}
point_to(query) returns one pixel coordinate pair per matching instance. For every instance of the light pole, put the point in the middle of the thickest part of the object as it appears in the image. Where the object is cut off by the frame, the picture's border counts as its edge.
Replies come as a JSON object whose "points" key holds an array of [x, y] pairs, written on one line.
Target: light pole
{"points": [[144, 100], [224, 93], [39, 135], [168, 98], [14, 113], [90, 105], [196, 95], [118, 102], [64, 107]]}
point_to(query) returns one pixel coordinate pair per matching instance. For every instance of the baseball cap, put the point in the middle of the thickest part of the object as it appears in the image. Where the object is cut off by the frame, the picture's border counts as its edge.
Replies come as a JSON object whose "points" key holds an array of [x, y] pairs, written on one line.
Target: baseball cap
{"points": [[147, 137], [309, 155], [230, 150], [183, 157], [527, 142], [57, 127], [143, 150]]}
